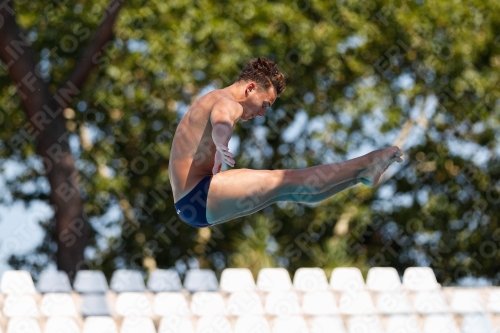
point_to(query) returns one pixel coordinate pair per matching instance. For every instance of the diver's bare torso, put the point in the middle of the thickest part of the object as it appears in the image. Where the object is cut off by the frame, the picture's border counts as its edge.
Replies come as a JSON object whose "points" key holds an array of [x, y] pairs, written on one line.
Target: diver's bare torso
{"points": [[193, 151]]}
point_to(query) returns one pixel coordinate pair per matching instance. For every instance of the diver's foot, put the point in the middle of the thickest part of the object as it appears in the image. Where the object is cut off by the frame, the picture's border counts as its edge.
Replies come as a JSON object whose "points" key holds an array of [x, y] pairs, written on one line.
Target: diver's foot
{"points": [[379, 161]]}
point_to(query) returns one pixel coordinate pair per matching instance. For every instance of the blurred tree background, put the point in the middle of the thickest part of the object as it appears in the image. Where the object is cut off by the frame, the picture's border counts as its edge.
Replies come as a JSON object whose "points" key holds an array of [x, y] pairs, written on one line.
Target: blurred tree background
{"points": [[360, 76]]}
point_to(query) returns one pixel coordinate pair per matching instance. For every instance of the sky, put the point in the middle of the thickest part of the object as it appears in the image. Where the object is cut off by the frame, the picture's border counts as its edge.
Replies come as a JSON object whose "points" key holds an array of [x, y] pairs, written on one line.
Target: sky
{"points": [[19, 229]]}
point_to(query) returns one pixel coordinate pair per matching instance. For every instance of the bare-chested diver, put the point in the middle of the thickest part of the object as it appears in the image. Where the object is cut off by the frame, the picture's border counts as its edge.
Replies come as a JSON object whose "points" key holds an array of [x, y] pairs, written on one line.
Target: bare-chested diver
{"points": [[205, 196]]}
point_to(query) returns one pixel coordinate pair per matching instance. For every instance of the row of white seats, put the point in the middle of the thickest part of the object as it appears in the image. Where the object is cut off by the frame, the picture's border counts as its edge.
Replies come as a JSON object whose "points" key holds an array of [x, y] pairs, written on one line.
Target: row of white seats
{"points": [[259, 324], [279, 303], [276, 303], [232, 280]]}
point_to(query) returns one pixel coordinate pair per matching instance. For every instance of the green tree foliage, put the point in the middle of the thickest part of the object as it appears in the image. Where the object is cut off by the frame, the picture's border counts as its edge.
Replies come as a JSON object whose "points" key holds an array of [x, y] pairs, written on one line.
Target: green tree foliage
{"points": [[421, 74]]}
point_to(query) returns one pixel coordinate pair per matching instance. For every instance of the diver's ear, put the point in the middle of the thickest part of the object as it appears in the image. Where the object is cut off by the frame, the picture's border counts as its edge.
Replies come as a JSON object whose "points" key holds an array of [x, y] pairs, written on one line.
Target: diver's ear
{"points": [[251, 86]]}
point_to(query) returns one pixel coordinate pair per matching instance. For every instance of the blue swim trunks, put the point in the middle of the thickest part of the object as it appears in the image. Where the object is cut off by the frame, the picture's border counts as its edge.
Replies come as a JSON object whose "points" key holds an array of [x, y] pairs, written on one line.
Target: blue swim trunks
{"points": [[192, 208]]}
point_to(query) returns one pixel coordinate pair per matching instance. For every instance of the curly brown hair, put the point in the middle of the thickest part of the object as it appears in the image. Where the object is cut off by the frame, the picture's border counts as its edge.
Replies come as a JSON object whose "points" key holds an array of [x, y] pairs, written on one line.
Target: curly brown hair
{"points": [[264, 72]]}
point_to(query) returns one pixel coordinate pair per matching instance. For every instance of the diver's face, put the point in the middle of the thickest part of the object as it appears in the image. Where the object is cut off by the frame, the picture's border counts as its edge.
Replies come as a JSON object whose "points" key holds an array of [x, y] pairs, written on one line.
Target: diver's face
{"points": [[258, 100]]}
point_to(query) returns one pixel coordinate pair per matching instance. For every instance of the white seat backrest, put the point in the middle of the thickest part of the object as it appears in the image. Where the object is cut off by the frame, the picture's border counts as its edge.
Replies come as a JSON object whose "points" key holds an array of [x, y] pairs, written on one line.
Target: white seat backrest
{"points": [[430, 302], [23, 325], [218, 324], [176, 324], [402, 324], [164, 280], [282, 303], [274, 279], [58, 304], [137, 324], [20, 306], [420, 279], [94, 305], [322, 324], [53, 282], [319, 303], [17, 283], [365, 324], [133, 304], [237, 279], [127, 280], [310, 279], [477, 323], [440, 323], [170, 303], [494, 301], [204, 303], [60, 325], [87, 282], [99, 325], [356, 303], [290, 324], [252, 324], [201, 280], [390, 302], [383, 279], [347, 279], [466, 301], [244, 303]]}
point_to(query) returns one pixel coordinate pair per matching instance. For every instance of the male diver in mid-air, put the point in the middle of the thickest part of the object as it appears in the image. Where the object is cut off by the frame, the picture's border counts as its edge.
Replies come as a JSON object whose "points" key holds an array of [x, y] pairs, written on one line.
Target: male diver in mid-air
{"points": [[205, 196]]}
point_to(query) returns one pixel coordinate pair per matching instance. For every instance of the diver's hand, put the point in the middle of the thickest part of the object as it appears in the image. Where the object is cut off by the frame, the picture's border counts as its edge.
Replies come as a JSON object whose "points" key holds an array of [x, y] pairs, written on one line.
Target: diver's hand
{"points": [[227, 156], [218, 163]]}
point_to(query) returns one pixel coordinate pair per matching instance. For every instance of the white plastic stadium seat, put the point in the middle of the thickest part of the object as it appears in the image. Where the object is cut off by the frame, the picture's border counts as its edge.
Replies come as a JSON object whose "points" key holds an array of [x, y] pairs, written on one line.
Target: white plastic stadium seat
{"points": [[430, 302], [214, 324], [176, 324], [164, 280], [440, 323], [20, 306], [477, 323], [365, 324], [420, 279], [466, 301], [393, 303], [252, 324], [347, 279], [494, 301], [99, 325], [282, 303], [274, 279], [170, 303], [290, 324], [17, 283], [243, 303], [58, 304], [201, 280], [53, 282], [61, 325], [137, 324], [325, 324], [90, 282], [206, 303], [127, 280], [356, 303], [23, 325], [310, 279], [236, 279], [94, 305], [383, 279], [133, 304], [403, 324], [319, 303]]}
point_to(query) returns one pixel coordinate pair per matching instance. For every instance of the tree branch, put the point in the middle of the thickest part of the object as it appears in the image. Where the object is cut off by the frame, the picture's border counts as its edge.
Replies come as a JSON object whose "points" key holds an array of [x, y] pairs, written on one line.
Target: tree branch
{"points": [[400, 141], [81, 69], [19, 59]]}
